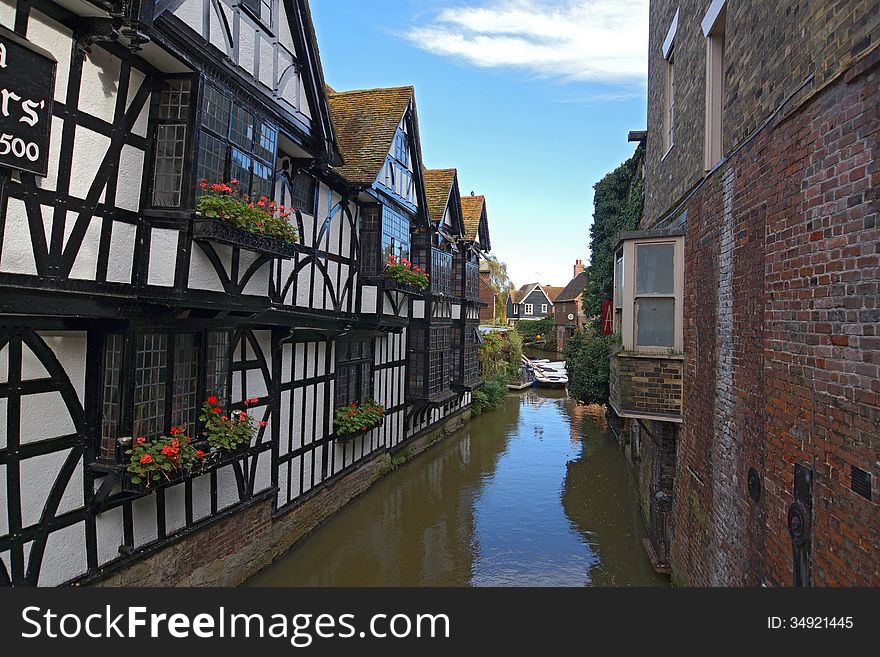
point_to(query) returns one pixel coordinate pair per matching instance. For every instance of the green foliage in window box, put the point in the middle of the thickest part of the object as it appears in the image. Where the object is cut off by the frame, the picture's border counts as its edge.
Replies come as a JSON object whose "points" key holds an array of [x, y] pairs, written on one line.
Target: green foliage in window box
{"points": [[357, 418], [404, 272], [223, 201], [587, 356], [165, 458], [226, 433]]}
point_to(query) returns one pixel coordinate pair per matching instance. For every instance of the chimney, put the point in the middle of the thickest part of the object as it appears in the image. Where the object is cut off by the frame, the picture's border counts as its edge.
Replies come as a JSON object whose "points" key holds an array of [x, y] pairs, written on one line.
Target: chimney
{"points": [[579, 268]]}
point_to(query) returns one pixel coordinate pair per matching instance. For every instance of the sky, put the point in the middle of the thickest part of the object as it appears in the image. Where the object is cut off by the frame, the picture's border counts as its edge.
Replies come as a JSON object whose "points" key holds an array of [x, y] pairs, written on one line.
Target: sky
{"points": [[531, 100]]}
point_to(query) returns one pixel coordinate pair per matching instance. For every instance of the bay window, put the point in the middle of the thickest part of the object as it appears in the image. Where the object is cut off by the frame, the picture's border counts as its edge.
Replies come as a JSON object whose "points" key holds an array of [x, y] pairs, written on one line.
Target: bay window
{"points": [[214, 139], [648, 290], [385, 232]]}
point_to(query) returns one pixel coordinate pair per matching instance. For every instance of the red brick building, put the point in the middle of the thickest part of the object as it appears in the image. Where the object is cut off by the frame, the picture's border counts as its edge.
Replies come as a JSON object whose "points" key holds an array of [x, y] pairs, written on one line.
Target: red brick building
{"points": [[488, 296], [748, 305]]}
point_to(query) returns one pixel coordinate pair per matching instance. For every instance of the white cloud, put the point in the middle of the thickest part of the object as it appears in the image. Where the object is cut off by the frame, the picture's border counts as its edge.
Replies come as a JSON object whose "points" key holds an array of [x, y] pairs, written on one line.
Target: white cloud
{"points": [[572, 40]]}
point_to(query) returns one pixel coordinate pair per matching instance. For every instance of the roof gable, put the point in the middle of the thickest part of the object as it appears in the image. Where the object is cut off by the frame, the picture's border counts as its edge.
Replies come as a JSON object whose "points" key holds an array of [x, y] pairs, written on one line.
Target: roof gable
{"points": [[574, 289], [476, 221], [366, 122], [441, 191]]}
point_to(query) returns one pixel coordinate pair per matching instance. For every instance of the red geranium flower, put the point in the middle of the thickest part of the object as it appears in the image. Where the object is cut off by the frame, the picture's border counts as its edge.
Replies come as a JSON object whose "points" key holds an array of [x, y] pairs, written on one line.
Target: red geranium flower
{"points": [[141, 441], [213, 400], [200, 454], [146, 459], [218, 410]]}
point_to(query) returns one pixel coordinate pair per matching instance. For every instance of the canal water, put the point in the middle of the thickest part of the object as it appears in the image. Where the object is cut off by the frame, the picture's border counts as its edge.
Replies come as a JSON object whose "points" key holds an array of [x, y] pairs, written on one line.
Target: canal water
{"points": [[531, 494]]}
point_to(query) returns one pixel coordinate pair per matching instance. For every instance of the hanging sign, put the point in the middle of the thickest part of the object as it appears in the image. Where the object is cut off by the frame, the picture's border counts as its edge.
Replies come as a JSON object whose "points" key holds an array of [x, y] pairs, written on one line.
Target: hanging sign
{"points": [[27, 87], [607, 318]]}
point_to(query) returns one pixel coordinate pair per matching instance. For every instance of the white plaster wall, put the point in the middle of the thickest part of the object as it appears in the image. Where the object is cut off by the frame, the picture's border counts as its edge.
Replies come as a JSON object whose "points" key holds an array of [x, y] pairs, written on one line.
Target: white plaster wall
{"points": [[100, 84], [65, 555], [109, 531], [201, 496], [55, 38], [227, 488], [202, 275], [85, 265], [136, 79], [369, 299], [143, 513], [129, 178], [121, 256], [259, 283], [89, 150], [175, 508], [50, 182], [17, 256], [38, 475], [163, 257], [190, 12]]}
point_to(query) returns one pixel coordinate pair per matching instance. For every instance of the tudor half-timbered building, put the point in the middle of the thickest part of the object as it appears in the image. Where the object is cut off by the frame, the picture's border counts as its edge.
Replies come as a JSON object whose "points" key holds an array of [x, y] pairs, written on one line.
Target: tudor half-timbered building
{"points": [[122, 309]]}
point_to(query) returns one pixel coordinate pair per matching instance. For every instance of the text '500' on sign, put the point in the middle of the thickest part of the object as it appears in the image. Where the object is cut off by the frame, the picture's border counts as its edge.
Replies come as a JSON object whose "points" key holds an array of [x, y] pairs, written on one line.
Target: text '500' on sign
{"points": [[27, 86]]}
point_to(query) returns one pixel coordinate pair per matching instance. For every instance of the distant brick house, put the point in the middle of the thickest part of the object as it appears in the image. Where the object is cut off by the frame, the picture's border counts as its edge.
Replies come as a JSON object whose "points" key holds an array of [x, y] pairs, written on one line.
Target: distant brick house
{"points": [[488, 296], [568, 307], [749, 379]]}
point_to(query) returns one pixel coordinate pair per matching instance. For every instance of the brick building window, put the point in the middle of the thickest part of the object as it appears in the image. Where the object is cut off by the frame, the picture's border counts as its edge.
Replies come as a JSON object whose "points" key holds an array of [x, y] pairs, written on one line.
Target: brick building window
{"points": [[714, 27], [669, 86], [649, 285]]}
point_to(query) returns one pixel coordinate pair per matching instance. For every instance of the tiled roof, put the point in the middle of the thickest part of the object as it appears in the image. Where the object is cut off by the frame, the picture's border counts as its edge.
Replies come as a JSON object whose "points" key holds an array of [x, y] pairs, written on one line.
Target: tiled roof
{"points": [[552, 292], [574, 289], [438, 187], [472, 212], [365, 122]]}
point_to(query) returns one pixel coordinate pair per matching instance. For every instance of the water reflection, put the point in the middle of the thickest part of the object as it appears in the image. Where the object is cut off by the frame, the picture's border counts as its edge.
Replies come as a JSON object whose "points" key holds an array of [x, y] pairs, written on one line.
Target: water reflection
{"points": [[532, 494]]}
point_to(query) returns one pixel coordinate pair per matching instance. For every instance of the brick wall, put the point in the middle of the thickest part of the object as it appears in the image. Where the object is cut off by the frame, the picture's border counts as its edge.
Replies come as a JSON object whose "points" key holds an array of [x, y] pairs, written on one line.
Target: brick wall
{"points": [[651, 385], [782, 309], [771, 48]]}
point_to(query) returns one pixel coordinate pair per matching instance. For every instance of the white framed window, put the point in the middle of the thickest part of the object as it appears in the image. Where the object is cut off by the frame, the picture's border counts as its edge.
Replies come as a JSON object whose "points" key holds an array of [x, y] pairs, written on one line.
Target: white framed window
{"points": [[669, 86], [649, 288], [529, 309], [714, 28], [669, 105], [543, 308]]}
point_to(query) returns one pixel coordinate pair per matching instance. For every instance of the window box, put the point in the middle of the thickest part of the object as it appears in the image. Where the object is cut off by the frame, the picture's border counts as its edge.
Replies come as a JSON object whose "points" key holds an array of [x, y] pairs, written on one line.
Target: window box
{"points": [[396, 286], [348, 437], [212, 461], [217, 230]]}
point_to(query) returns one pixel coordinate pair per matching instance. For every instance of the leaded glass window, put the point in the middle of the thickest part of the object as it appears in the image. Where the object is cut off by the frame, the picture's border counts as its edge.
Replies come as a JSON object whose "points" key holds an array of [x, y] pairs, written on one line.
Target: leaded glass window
{"points": [[111, 395], [234, 144], [151, 357], [151, 382], [354, 371], [186, 372], [171, 141], [395, 234], [303, 193]]}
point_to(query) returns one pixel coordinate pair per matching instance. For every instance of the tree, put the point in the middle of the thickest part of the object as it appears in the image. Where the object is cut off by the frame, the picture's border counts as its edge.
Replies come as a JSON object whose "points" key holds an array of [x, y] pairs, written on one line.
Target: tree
{"points": [[587, 355], [500, 282], [619, 203]]}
